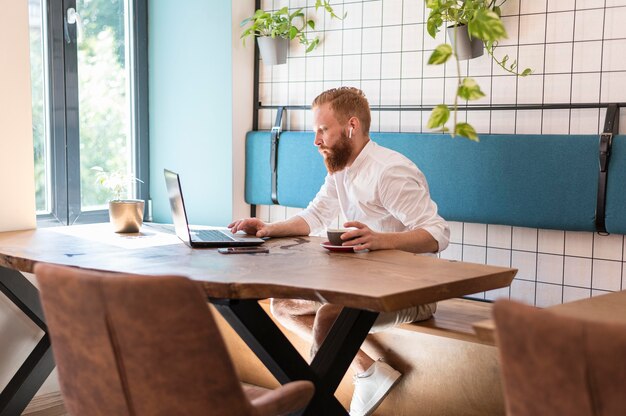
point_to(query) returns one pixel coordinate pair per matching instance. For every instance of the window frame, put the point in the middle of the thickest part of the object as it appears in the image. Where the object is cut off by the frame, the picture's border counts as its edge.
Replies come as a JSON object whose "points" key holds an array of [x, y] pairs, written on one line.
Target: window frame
{"points": [[62, 107]]}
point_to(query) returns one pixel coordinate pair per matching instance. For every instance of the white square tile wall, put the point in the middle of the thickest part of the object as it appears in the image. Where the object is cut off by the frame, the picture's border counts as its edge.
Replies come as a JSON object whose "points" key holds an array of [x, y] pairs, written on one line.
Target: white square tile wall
{"points": [[577, 271], [548, 295], [559, 26], [576, 49], [524, 291], [549, 268], [499, 236], [606, 275], [560, 5]]}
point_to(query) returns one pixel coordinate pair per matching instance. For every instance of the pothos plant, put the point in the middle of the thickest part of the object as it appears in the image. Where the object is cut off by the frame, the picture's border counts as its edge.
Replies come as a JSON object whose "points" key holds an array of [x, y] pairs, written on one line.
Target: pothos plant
{"points": [[286, 25], [117, 183], [482, 18]]}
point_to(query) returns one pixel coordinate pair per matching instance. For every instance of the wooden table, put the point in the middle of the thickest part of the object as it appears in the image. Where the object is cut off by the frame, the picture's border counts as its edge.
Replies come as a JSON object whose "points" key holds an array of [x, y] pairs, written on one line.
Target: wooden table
{"points": [[604, 308], [364, 283]]}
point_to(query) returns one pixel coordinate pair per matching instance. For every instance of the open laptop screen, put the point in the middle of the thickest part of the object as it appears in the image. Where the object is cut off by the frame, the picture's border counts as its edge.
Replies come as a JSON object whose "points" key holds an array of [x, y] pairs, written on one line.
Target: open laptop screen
{"points": [[179, 215]]}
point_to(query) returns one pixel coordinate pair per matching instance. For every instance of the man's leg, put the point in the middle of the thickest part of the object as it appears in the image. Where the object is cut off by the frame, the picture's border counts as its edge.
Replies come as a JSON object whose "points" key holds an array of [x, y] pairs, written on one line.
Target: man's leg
{"points": [[312, 321], [324, 319], [296, 315], [373, 379]]}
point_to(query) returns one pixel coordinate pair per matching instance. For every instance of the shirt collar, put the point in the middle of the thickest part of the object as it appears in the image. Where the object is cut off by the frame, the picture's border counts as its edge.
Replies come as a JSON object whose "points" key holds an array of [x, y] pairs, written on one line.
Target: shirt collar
{"points": [[360, 159]]}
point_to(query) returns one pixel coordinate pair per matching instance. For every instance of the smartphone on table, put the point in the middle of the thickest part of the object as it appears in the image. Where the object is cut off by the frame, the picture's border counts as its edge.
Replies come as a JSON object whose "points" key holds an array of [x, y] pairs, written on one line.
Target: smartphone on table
{"points": [[243, 250]]}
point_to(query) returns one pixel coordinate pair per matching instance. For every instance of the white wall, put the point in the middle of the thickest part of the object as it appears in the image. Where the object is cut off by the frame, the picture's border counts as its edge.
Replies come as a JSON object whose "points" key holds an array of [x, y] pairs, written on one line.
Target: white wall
{"points": [[17, 183], [243, 84]]}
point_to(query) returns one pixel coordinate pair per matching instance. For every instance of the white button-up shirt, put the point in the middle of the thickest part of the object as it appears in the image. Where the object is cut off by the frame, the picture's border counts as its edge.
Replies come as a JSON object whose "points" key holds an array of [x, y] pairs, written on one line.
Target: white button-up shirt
{"points": [[382, 189]]}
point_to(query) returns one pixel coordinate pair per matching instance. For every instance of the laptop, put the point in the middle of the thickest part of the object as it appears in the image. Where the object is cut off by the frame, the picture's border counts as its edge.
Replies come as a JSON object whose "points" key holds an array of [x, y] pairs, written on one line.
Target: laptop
{"points": [[199, 238]]}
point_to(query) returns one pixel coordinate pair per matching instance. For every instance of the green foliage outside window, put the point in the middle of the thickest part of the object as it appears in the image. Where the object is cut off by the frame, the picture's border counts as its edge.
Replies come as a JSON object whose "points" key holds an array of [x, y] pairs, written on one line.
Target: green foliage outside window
{"points": [[39, 133], [104, 106]]}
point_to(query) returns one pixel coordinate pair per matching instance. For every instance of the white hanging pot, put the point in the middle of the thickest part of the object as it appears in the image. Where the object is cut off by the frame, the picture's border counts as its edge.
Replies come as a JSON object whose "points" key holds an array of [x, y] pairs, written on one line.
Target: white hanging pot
{"points": [[126, 215], [273, 50], [466, 48]]}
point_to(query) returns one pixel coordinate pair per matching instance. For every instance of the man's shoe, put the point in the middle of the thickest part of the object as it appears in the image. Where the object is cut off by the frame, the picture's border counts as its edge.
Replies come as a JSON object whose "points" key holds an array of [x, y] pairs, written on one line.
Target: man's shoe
{"points": [[371, 388]]}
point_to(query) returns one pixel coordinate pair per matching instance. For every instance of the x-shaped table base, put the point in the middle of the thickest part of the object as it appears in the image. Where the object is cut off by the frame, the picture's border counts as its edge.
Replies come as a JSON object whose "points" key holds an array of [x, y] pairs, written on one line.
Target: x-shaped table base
{"points": [[40, 363], [330, 364]]}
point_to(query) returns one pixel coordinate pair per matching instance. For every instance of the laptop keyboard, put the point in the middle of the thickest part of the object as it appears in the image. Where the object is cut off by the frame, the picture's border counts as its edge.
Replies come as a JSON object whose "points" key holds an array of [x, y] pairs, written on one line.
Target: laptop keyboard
{"points": [[212, 235]]}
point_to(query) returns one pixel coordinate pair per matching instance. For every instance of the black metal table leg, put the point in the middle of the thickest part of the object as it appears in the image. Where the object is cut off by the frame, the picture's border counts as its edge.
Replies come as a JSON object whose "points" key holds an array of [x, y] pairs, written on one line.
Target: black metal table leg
{"points": [[341, 345], [40, 363], [257, 330]]}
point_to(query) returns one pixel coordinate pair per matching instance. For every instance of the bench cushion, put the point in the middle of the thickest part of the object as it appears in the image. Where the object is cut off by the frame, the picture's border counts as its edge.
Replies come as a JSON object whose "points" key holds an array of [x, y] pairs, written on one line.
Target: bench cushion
{"points": [[540, 181], [454, 319]]}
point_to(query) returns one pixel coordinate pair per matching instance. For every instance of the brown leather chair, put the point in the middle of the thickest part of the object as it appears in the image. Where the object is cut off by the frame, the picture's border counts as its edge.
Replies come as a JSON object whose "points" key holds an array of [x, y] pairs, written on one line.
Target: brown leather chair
{"points": [[146, 345], [557, 365]]}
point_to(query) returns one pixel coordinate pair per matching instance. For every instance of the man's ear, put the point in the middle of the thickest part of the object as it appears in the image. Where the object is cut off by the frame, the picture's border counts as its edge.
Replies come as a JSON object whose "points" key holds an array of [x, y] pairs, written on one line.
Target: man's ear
{"points": [[354, 124]]}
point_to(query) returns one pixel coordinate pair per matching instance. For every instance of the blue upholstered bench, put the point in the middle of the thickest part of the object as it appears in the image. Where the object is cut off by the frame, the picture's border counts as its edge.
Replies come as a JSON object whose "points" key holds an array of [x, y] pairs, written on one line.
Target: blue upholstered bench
{"points": [[541, 181]]}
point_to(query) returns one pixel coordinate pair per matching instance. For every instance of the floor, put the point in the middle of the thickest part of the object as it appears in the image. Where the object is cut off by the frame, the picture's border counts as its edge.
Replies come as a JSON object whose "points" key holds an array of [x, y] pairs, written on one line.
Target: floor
{"points": [[46, 405]]}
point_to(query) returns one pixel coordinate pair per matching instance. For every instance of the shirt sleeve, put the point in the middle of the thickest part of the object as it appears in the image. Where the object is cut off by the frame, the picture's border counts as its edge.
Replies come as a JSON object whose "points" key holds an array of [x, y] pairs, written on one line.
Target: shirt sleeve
{"points": [[404, 193], [324, 208]]}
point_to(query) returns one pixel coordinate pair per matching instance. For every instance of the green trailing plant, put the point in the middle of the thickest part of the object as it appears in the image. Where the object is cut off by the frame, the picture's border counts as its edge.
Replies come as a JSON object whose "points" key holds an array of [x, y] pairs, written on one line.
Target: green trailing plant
{"points": [[482, 18], [117, 183], [286, 25], [326, 5]]}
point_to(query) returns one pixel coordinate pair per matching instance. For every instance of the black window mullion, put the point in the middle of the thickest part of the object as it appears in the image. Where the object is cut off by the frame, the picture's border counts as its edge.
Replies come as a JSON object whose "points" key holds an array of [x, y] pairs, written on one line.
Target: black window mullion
{"points": [[72, 129], [140, 90], [56, 59]]}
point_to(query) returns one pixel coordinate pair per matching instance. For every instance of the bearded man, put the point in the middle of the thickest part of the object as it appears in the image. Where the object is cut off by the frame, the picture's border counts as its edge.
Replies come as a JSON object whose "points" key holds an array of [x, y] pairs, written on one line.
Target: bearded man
{"points": [[385, 199]]}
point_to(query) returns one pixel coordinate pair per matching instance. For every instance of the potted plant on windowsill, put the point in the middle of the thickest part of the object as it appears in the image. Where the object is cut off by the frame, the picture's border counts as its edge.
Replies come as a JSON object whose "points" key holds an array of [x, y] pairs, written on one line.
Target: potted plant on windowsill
{"points": [[274, 31], [126, 215], [478, 21]]}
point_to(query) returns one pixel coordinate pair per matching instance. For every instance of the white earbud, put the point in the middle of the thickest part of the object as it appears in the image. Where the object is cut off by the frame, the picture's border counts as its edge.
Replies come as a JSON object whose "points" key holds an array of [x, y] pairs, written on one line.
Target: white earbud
{"points": [[350, 133]]}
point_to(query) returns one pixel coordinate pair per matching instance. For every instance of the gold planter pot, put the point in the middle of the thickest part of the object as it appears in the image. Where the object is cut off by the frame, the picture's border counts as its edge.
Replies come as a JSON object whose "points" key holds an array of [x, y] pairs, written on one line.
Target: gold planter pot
{"points": [[126, 215]]}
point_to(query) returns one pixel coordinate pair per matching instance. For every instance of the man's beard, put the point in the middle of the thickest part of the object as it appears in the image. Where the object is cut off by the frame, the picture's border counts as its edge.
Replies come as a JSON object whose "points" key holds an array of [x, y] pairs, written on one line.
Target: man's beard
{"points": [[338, 155]]}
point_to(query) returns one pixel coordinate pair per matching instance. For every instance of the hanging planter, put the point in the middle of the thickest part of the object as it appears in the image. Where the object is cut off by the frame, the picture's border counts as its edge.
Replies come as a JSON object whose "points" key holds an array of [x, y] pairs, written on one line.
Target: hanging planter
{"points": [[273, 50], [274, 30], [465, 47], [479, 19]]}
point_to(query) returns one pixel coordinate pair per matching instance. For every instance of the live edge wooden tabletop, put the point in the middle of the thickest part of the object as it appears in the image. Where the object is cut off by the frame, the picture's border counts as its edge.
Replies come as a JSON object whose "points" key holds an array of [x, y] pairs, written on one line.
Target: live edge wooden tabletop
{"points": [[298, 267]]}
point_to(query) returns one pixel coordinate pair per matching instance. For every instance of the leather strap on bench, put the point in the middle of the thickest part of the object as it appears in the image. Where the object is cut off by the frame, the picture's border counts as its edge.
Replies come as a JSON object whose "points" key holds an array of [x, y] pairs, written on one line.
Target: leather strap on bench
{"points": [[274, 153], [611, 128]]}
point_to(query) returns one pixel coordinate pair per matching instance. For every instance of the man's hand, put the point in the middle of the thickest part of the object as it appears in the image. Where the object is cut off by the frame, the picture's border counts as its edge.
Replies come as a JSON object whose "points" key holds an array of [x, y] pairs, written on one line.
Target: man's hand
{"points": [[251, 226], [254, 226], [363, 237], [414, 241]]}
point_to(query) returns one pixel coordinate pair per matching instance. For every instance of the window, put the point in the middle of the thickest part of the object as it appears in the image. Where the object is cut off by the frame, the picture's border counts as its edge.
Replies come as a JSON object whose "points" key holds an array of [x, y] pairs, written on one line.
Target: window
{"points": [[89, 89]]}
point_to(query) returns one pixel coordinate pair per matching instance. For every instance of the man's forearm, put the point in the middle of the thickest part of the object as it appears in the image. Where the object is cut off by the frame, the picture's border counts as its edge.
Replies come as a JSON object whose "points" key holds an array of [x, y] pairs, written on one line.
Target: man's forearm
{"points": [[414, 241], [295, 225]]}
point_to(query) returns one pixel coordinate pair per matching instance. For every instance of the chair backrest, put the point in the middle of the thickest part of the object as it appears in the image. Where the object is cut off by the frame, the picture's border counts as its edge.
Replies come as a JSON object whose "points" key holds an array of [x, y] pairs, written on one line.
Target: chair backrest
{"points": [[557, 365], [137, 345]]}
